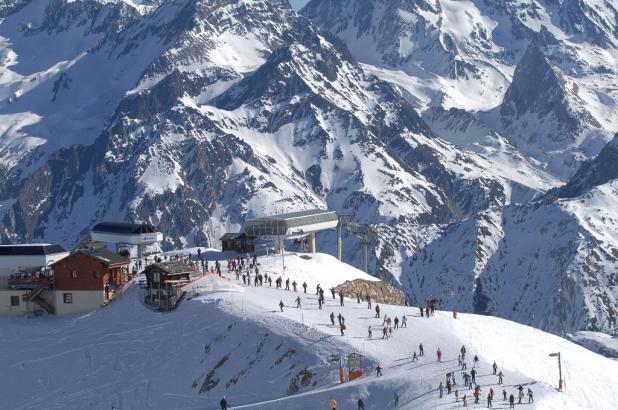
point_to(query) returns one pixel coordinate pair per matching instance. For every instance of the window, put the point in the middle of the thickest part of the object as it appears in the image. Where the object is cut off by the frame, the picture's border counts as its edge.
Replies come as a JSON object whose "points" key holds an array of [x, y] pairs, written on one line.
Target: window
{"points": [[73, 274], [68, 298], [14, 300]]}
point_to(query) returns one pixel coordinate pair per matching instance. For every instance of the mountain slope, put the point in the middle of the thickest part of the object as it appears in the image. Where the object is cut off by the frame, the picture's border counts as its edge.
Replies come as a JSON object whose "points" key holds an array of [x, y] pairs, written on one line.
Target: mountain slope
{"points": [[197, 354], [473, 56]]}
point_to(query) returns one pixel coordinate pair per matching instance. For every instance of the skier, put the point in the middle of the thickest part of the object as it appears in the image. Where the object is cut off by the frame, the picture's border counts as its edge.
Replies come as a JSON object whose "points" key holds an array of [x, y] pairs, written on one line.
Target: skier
{"points": [[305, 287], [454, 312], [396, 398], [333, 404], [332, 318], [414, 357], [361, 404], [332, 291], [369, 332], [378, 371], [530, 396], [298, 302], [420, 350], [441, 389], [294, 284], [511, 401], [287, 284], [466, 377], [448, 386], [464, 399], [341, 298], [463, 353], [384, 333], [495, 367], [503, 394], [378, 311], [404, 321], [521, 393], [281, 305], [500, 375], [270, 281], [421, 309], [453, 378], [489, 398], [341, 319], [476, 361], [223, 403], [320, 303], [439, 354], [473, 374], [368, 299], [477, 395], [456, 395], [396, 322]]}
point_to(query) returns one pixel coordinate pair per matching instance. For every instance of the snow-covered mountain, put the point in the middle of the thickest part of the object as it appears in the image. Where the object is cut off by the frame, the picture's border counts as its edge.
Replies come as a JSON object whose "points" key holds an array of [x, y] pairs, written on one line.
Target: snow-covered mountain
{"points": [[564, 280], [541, 73], [238, 108], [226, 339], [196, 114]]}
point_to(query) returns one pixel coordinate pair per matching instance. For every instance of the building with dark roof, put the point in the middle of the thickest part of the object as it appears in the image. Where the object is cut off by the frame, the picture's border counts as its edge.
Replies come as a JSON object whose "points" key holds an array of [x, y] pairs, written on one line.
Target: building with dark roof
{"points": [[88, 278], [164, 282], [139, 238], [293, 224]]}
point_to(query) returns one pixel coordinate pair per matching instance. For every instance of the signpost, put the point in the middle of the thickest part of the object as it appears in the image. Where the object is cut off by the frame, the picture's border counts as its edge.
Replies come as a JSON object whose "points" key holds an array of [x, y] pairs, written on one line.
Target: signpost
{"points": [[560, 381], [355, 366]]}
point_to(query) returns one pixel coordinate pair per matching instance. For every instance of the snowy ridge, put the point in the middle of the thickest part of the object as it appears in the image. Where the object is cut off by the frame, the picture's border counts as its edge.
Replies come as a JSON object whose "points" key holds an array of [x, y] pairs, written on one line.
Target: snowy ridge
{"points": [[190, 358]]}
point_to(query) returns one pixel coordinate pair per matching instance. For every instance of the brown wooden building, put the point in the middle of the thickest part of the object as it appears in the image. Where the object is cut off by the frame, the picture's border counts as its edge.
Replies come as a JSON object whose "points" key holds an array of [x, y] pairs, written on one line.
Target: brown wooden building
{"points": [[164, 282], [86, 279]]}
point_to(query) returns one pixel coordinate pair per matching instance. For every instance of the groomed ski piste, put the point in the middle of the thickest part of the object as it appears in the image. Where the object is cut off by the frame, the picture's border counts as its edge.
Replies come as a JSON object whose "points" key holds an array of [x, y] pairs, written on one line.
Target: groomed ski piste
{"points": [[228, 339]]}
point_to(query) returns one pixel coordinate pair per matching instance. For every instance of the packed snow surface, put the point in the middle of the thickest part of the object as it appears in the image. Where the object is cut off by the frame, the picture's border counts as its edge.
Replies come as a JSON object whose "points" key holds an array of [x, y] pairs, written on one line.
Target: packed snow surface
{"points": [[231, 340]]}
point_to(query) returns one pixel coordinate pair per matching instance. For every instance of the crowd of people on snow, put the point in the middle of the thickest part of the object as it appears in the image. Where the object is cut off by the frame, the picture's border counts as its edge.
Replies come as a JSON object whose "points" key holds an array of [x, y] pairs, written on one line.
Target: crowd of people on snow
{"points": [[247, 269]]}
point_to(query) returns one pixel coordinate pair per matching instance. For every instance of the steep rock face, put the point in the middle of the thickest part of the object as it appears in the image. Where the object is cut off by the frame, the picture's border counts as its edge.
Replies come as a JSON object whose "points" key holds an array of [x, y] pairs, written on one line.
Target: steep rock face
{"points": [[562, 281], [602, 169], [247, 110], [491, 59]]}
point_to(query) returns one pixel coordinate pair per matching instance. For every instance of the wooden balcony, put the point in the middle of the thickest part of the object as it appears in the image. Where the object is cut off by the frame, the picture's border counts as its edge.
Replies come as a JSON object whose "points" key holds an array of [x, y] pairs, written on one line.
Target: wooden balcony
{"points": [[30, 282]]}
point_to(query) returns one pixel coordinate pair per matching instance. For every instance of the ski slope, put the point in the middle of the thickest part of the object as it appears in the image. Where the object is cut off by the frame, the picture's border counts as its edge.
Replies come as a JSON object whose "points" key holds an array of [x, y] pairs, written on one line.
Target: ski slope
{"points": [[229, 339]]}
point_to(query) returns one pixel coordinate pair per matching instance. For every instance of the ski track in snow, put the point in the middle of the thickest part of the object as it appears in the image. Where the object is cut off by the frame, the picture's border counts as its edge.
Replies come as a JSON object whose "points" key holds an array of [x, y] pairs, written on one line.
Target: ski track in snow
{"points": [[132, 357]]}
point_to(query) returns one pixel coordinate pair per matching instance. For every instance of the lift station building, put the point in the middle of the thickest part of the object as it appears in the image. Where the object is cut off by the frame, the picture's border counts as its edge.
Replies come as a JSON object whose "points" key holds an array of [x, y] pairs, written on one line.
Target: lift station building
{"points": [[292, 225], [139, 239]]}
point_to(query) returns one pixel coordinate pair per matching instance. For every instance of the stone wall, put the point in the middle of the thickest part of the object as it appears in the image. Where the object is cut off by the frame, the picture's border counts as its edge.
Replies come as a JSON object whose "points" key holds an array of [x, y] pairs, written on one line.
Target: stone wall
{"points": [[380, 292]]}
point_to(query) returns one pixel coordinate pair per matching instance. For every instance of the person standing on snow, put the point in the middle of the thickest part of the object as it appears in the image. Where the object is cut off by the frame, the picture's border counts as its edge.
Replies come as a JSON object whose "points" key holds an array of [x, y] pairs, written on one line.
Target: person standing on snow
{"points": [[439, 354], [476, 361], [500, 376], [441, 389], [368, 299], [511, 401], [332, 318], [473, 374], [281, 305], [521, 393], [463, 353], [396, 322], [305, 287], [294, 284], [342, 328], [414, 357], [378, 311], [223, 403], [404, 321], [369, 333], [333, 291], [420, 350], [378, 371], [530, 396], [396, 398], [298, 302], [503, 394], [341, 298], [495, 367], [287, 284], [360, 404], [489, 399]]}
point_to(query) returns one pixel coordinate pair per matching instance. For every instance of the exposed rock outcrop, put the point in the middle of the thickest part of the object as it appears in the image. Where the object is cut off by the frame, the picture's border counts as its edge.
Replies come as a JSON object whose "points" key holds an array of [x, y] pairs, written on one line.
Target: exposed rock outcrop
{"points": [[380, 292]]}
